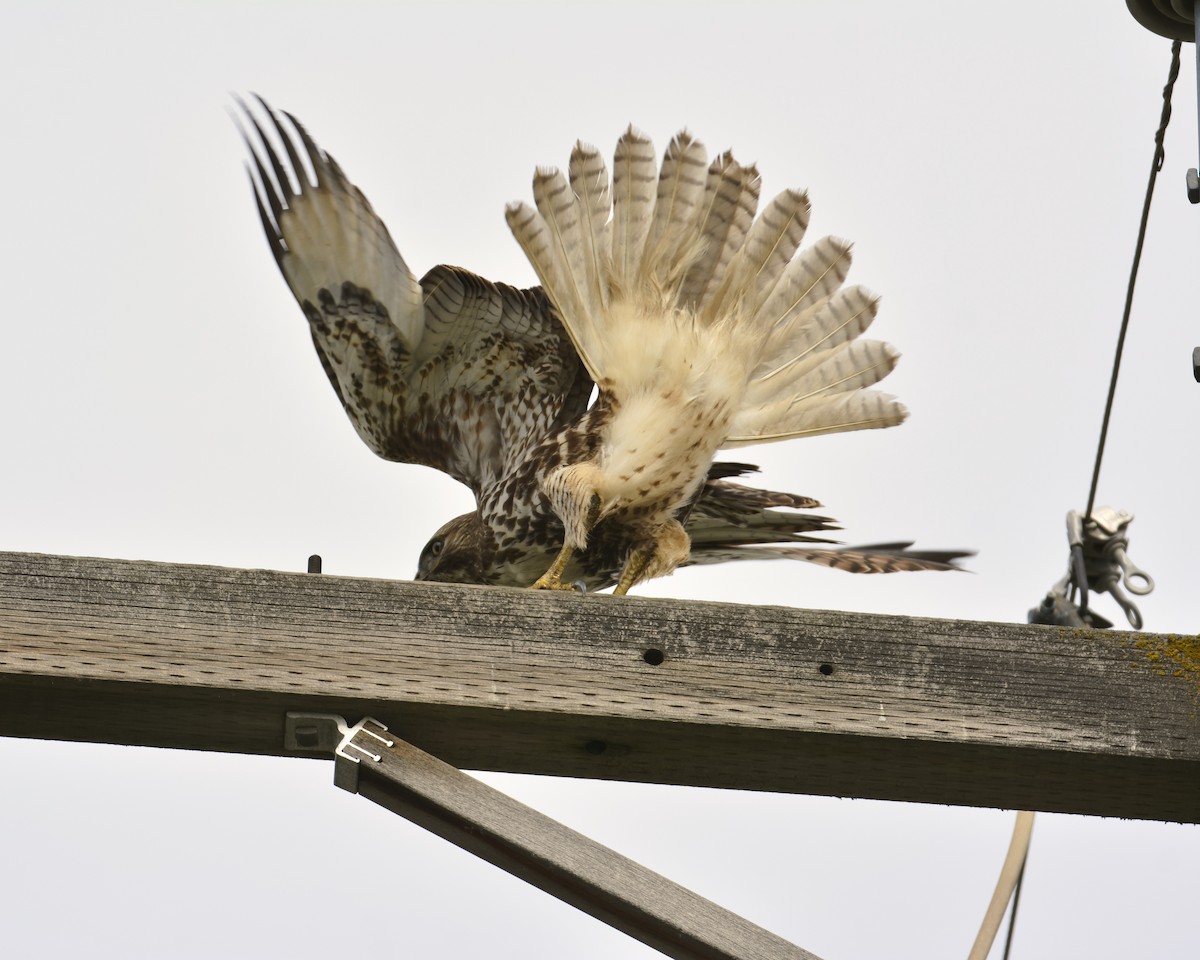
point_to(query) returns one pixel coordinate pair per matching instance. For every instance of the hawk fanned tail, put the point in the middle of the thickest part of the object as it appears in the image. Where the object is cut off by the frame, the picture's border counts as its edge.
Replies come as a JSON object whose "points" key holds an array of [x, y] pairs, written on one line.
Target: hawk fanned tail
{"points": [[684, 244], [700, 325]]}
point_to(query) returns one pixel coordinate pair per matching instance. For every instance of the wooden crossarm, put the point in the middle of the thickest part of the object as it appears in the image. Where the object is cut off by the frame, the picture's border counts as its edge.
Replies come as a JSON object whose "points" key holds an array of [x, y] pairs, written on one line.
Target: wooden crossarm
{"points": [[712, 694]]}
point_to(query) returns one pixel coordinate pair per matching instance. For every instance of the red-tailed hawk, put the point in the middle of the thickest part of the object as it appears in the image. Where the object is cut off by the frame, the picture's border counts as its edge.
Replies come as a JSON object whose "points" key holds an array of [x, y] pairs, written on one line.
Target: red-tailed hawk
{"points": [[482, 381]]}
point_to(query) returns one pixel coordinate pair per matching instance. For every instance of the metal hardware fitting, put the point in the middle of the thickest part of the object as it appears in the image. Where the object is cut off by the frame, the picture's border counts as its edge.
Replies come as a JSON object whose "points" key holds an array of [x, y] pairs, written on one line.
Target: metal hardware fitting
{"points": [[1098, 563], [330, 733]]}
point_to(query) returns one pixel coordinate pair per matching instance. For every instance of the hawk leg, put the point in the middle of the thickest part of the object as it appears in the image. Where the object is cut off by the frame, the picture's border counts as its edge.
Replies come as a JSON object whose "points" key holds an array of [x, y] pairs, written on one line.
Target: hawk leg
{"points": [[657, 557], [635, 564], [552, 578]]}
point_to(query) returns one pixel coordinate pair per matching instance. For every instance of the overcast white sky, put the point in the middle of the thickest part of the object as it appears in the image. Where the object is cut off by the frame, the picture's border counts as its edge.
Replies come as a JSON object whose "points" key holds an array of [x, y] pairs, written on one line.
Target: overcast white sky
{"points": [[162, 401]]}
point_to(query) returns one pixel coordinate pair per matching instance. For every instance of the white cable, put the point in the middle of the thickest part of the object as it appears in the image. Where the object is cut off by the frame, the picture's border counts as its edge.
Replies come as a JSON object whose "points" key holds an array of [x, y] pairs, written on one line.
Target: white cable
{"points": [[1018, 848]]}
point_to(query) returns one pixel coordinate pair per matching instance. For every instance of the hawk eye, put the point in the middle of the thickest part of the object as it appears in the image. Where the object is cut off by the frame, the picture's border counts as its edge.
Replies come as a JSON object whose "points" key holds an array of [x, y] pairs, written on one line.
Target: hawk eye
{"points": [[436, 545]]}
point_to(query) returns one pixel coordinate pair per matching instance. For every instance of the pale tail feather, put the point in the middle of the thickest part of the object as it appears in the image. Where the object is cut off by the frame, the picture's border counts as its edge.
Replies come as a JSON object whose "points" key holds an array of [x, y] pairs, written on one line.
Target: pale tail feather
{"points": [[674, 237], [839, 413], [589, 181], [810, 278], [576, 291], [729, 205], [834, 320], [536, 240], [635, 175], [772, 241], [776, 238], [848, 366], [543, 248]]}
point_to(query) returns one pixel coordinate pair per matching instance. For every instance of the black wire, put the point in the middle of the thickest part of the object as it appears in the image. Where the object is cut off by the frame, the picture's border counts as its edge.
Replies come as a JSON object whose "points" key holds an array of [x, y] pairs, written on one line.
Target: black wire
{"points": [[1159, 155]]}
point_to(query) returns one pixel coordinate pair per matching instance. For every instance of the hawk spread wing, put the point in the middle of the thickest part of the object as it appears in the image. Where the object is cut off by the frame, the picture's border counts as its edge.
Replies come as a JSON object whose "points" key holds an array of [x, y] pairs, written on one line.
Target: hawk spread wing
{"points": [[452, 372]]}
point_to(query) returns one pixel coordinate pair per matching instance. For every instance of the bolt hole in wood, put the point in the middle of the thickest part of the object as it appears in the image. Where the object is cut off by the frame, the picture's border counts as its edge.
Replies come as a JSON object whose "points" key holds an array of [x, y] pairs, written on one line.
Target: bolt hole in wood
{"points": [[654, 656], [826, 669], [595, 747]]}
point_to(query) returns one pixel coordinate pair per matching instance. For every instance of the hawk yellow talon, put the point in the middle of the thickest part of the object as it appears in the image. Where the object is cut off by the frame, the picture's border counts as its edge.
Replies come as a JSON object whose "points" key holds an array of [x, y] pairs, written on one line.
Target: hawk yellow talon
{"points": [[552, 578], [546, 583]]}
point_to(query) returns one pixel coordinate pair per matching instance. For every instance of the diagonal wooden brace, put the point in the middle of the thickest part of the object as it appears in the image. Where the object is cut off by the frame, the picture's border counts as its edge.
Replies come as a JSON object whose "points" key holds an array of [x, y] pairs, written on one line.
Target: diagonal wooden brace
{"points": [[610, 887]]}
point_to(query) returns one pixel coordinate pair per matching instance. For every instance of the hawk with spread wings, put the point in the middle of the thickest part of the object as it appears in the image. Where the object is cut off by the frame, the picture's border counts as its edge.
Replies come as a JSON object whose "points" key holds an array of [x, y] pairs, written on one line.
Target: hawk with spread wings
{"points": [[484, 382]]}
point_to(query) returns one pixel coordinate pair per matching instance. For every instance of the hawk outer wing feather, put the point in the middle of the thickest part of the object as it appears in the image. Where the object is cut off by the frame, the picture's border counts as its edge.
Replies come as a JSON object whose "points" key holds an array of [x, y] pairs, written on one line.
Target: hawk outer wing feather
{"points": [[452, 372], [729, 513], [731, 522], [877, 558]]}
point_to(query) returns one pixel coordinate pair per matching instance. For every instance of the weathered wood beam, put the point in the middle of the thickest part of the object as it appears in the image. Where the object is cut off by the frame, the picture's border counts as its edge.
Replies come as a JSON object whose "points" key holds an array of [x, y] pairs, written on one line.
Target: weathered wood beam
{"points": [[761, 698], [541, 851]]}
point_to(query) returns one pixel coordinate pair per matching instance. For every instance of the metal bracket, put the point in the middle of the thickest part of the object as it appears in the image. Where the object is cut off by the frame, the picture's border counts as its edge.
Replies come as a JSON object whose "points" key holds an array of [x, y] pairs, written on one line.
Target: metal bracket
{"points": [[329, 733]]}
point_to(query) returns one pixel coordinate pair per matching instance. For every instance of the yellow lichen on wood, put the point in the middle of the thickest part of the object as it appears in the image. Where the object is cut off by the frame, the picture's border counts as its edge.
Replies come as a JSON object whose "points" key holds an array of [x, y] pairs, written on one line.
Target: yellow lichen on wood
{"points": [[1167, 654], [1172, 655]]}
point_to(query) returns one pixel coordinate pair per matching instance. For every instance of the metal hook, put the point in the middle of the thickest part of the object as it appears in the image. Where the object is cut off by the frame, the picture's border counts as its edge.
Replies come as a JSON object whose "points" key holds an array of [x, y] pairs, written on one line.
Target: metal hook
{"points": [[1132, 613], [1135, 579]]}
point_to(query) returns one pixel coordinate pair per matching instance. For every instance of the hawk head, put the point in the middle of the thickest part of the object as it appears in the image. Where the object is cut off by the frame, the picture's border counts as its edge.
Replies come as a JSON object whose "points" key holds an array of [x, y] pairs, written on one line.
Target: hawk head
{"points": [[460, 552]]}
